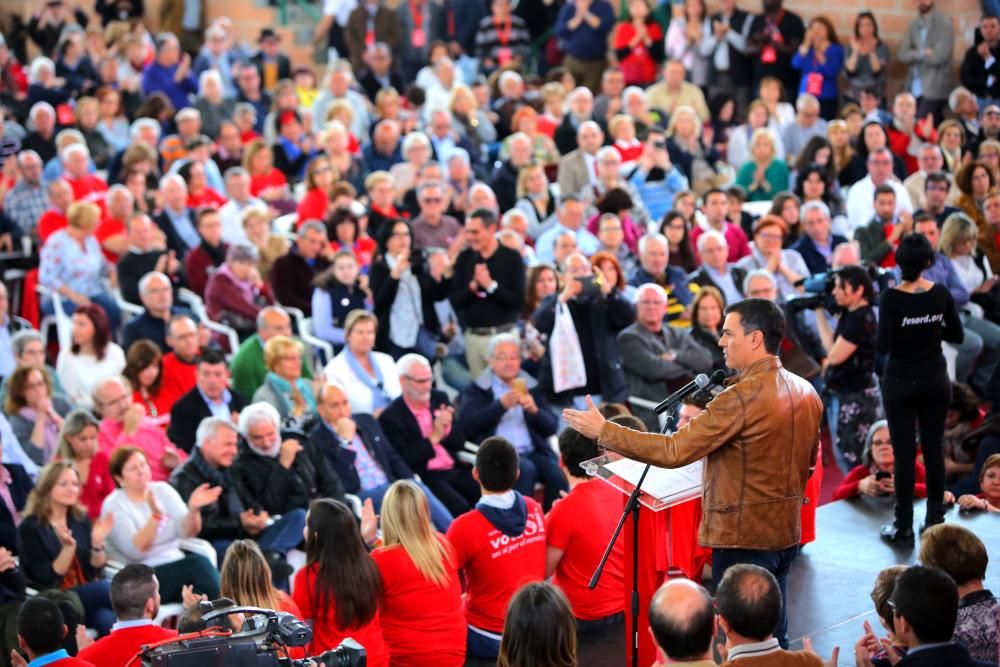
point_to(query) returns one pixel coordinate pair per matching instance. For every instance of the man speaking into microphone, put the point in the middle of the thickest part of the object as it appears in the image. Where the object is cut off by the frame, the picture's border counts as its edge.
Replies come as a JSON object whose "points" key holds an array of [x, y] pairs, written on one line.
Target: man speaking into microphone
{"points": [[759, 438]]}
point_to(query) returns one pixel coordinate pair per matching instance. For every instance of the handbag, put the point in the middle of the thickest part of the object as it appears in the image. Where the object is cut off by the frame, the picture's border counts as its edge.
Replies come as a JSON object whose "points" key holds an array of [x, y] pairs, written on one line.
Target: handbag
{"points": [[568, 370]]}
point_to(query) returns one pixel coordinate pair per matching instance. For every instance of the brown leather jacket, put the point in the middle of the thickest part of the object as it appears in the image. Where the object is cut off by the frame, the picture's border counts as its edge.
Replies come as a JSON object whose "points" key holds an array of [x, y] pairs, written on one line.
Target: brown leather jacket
{"points": [[760, 437]]}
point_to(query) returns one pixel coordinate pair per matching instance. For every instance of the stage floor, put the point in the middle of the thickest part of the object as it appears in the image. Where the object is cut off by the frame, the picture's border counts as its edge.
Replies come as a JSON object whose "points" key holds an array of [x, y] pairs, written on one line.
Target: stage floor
{"points": [[832, 578]]}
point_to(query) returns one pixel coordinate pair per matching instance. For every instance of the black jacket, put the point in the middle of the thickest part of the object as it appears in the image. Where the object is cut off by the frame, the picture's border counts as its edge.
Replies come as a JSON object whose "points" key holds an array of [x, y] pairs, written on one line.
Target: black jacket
{"points": [[404, 433], [134, 265], [384, 288], [20, 486], [38, 546], [174, 240], [504, 184], [371, 85], [952, 655], [605, 316], [187, 413], [974, 73], [701, 278], [145, 326], [341, 460], [221, 519], [814, 259], [280, 490], [284, 65], [565, 135], [480, 412]]}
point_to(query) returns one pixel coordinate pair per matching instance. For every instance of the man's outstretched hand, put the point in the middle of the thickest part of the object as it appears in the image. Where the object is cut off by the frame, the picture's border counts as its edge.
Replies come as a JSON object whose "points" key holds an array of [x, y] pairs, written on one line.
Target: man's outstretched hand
{"points": [[587, 422]]}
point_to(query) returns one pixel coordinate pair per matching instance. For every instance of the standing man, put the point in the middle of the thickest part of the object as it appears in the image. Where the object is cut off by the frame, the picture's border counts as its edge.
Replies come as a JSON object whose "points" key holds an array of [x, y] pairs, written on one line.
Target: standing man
{"points": [[980, 71], [927, 50], [487, 288], [578, 167], [28, 200], [724, 44], [775, 36], [584, 26], [759, 438], [293, 273]]}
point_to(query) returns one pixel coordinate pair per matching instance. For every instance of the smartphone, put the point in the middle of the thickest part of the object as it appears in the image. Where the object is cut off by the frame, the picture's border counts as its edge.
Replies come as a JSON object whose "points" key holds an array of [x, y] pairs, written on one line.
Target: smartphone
{"points": [[881, 474], [591, 286]]}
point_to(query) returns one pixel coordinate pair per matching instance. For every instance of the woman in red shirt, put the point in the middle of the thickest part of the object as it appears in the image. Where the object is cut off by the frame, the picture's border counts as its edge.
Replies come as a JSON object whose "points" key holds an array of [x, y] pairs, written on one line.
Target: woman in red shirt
{"points": [[319, 180], [199, 192], [78, 444], [340, 587], [638, 43], [422, 618], [144, 371], [345, 229], [266, 181], [873, 477]]}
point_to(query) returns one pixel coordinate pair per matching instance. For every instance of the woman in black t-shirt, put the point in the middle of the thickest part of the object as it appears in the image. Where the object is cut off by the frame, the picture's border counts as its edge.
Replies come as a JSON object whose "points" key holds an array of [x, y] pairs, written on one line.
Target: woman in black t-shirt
{"points": [[914, 318], [853, 401]]}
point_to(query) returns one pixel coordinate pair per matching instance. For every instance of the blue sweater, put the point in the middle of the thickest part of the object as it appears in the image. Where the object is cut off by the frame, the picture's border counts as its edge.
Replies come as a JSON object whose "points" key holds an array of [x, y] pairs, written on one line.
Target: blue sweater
{"points": [[830, 70], [160, 78], [585, 42]]}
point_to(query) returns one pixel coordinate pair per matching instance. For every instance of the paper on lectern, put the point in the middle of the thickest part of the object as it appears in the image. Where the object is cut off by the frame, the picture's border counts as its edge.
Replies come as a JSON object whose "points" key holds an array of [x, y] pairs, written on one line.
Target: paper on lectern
{"points": [[664, 484]]}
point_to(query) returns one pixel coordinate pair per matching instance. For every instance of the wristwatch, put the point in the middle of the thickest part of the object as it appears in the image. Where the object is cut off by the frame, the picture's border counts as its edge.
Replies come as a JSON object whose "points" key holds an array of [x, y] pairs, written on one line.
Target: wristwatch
{"points": [[492, 287]]}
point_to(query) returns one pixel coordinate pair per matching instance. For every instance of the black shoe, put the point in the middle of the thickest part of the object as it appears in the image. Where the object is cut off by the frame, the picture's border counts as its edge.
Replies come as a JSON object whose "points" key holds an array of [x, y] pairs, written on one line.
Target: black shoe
{"points": [[930, 521], [280, 569], [895, 535]]}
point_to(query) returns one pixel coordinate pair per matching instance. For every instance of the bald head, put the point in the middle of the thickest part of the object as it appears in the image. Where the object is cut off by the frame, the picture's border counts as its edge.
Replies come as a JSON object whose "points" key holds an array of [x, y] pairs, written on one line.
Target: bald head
{"points": [[273, 322], [682, 621]]}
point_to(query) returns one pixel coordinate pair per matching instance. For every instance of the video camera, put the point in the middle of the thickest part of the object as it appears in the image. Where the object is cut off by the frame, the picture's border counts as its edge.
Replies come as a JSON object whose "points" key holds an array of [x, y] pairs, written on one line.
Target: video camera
{"points": [[819, 289], [261, 642]]}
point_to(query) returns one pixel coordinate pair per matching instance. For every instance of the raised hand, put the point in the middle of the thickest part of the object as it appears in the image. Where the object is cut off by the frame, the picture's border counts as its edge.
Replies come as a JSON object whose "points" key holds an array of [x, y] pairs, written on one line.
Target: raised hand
{"points": [[101, 529], [587, 423], [369, 522], [203, 496]]}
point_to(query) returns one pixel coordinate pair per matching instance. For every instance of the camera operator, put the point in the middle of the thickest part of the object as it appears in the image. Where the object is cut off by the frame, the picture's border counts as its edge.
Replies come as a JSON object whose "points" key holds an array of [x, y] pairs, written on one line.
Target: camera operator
{"points": [[852, 396]]}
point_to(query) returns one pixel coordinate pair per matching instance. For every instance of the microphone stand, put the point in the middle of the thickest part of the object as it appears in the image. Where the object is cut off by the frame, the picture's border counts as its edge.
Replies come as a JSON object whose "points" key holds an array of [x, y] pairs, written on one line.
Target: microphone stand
{"points": [[632, 506]]}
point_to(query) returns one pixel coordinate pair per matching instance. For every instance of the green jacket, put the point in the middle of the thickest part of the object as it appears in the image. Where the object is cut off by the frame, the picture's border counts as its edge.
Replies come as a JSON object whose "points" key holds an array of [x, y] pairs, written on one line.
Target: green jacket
{"points": [[248, 369]]}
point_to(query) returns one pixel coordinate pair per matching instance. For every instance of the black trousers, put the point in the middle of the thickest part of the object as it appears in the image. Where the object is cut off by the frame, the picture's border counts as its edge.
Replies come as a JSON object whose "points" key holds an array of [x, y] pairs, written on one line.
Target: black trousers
{"points": [[917, 398]]}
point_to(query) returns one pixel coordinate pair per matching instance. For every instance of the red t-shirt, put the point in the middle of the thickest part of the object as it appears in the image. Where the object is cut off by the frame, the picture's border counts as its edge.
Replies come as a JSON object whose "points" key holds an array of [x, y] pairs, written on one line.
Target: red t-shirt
{"points": [[272, 179], [313, 206], [50, 223], [109, 227], [889, 260], [178, 379], [736, 239], [207, 197], [116, 649], [326, 634], [422, 622], [581, 525], [495, 564], [98, 485], [86, 186], [364, 250]]}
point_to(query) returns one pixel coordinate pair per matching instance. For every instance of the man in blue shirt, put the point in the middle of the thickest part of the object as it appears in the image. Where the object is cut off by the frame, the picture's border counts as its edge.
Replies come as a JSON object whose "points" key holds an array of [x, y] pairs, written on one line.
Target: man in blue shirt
{"points": [[170, 73], [584, 26], [570, 216], [40, 633]]}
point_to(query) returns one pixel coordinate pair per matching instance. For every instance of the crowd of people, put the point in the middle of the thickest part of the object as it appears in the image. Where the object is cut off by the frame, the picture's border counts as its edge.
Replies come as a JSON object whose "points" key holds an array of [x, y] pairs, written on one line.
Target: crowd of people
{"points": [[339, 310]]}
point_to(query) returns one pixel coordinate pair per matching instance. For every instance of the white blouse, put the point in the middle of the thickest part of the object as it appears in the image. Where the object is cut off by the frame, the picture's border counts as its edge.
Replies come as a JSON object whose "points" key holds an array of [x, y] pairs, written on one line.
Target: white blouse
{"points": [[80, 373], [131, 516], [360, 395]]}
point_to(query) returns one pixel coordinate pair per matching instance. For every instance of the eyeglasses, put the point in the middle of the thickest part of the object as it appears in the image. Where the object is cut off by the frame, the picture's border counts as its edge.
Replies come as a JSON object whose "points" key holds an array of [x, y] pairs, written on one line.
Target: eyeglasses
{"points": [[322, 170], [506, 357], [879, 443], [431, 200], [401, 233], [650, 302], [419, 380], [770, 236]]}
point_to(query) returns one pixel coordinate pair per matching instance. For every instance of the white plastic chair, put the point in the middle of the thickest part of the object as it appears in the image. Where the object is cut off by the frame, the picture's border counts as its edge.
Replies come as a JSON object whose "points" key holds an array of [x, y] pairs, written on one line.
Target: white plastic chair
{"points": [[59, 319], [123, 305], [303, 325], [284, 225], [197, 306]]}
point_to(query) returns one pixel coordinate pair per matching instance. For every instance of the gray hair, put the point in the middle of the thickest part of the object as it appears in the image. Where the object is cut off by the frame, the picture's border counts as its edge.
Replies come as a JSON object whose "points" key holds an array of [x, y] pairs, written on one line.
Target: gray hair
{"points": [[146, 279], [37, 66], [112, 379], [414, 138], [427, 166], [706, 236], [509, 75], [928, 146], [408, 361], [499, 339], [27, 153], [20, 340], [233, 172], [582, 90], [511, 214], [806, 101], [758, 273], [814, 205], [606, 151], [519, 136], [650, 287], [954, 96], [205, 76], [38, 107], [140, 124], [71, 133], [118, 188], [633, 90], [460, 154], [242, 251], [210, 427], [589, 124], [264, 312], [256, 413], [312, 226], [646, 239], [172, 178], [429, 185]]}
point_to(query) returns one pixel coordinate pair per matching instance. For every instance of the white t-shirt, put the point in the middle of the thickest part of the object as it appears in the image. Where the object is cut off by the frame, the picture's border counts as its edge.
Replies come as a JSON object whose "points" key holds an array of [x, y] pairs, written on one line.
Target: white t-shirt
{"points": [[131, 516], [80, 373]]}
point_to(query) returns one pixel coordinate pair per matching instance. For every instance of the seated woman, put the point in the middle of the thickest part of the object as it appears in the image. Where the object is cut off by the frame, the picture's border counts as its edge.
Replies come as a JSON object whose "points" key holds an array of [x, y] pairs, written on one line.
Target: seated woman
{"points": [[881, 595], [34, 412], [150, 520], [209, 254], [200, 193], [541, 619], [336, 292], [60, 548], [91, 356], [738, 147], [78, 445], [345, 231], [421, 610], [339, 589], [988, 497], [143, 370], [405, 285], [266, 181], [235, 293], [283, 386], [706, 323], [764, 174], [247, 580], [369, 378], [537, 198], [257, 225], [873, 476], [319, 180], [72, 265]]}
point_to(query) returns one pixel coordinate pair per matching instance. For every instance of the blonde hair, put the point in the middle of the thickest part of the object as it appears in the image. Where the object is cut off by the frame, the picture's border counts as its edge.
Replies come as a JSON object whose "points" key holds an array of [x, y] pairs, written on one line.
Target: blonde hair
{"points": [[406, 522], [83, 215], [957, 228], [277, 347], [617, 121], [246, 576], [462, 89], [338, 107], [684, 110], [377, 177], [522, 177], [843, 154], [358, 315], [254, 147], [39, 503], [764, 133]]}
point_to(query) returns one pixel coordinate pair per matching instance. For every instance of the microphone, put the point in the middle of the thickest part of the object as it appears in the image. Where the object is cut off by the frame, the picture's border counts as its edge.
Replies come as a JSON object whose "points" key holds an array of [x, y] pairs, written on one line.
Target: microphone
{"points": [[697, 384]]}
